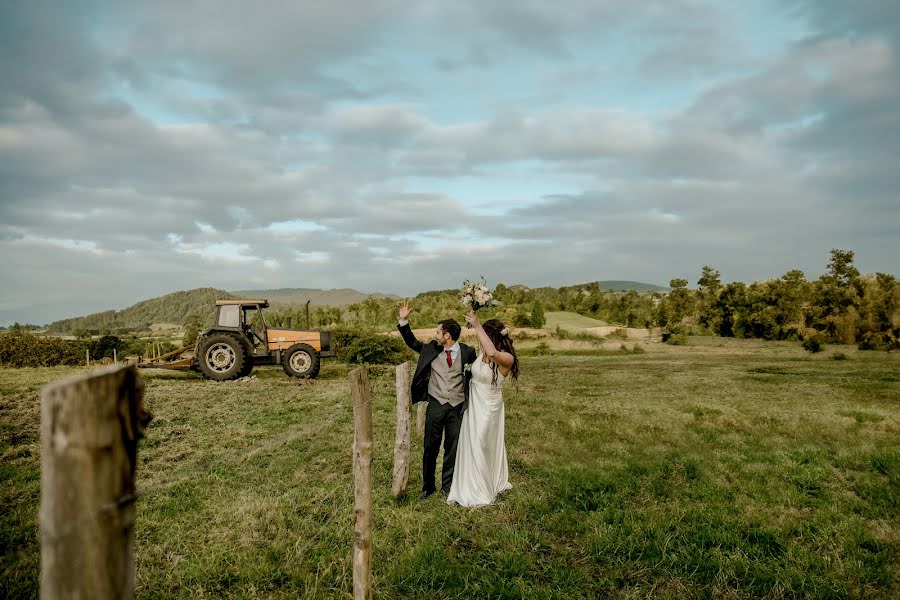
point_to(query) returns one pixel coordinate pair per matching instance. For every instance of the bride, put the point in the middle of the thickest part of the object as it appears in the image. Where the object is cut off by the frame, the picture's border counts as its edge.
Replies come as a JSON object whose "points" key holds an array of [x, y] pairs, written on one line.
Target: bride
{"points": [[481, 470]]}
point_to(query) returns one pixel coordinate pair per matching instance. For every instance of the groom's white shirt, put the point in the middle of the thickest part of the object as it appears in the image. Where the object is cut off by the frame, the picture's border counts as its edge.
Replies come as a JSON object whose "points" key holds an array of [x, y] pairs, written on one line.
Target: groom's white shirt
{"points": [[454, 349]]}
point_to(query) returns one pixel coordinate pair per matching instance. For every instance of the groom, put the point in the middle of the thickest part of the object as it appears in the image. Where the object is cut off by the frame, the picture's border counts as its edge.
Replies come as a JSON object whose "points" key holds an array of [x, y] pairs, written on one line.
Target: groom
{"points": [[442, 380]]}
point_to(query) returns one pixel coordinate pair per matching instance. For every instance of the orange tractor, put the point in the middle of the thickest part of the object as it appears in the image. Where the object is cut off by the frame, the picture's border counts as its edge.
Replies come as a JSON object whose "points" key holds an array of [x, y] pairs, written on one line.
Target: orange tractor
{"points": [[240, 340]]}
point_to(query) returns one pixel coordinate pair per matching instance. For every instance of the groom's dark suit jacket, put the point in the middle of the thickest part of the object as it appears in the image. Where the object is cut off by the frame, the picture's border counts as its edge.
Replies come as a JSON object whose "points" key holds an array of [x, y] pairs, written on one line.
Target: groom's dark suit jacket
{"points": [[427, 353]]}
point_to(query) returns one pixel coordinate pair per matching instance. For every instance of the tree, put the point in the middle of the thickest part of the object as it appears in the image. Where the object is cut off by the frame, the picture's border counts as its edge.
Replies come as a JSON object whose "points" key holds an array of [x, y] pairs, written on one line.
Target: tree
{"points": [[676, 304], [709, 314], [836, 297], [731, 303], [537, 315], [192, 326]]}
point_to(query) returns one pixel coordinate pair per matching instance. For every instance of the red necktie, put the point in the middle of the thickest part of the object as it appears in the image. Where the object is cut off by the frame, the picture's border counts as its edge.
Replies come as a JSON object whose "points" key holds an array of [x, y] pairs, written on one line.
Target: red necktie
{"points": [[449, 360]]}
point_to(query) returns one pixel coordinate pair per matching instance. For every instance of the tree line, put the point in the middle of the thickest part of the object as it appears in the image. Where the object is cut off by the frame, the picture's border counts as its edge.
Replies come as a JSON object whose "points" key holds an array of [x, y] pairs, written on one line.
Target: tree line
{"points": [[842, 306]]}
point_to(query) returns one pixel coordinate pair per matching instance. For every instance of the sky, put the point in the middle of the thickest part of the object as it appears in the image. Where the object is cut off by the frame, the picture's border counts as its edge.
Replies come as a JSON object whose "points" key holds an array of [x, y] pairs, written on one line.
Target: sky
{"points": [[400, 147]]}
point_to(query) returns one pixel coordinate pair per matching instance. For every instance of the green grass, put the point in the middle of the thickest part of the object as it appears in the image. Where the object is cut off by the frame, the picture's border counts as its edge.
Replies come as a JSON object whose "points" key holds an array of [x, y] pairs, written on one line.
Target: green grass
{"points": [[570, 321], [724, 468]]}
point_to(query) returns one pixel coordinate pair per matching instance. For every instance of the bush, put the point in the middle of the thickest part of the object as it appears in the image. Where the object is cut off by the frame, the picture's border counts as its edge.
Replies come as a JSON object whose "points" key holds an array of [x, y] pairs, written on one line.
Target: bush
{"points": [[581, 336], [20, 348], [366, 347], [541, 349], [676, 339], [676, 335], [812, 344], [877, 341], [838, 356]]}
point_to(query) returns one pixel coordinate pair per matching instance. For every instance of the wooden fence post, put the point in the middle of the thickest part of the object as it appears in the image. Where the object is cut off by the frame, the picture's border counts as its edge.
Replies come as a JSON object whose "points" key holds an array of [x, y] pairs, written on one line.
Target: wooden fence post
{"points": [[362, 484], [401, 442], [90, 426], [420, 419]]}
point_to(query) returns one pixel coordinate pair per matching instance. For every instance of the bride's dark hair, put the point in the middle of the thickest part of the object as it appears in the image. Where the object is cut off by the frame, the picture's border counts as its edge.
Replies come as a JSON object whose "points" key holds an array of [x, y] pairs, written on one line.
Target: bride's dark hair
{"points": [[499, 334]]}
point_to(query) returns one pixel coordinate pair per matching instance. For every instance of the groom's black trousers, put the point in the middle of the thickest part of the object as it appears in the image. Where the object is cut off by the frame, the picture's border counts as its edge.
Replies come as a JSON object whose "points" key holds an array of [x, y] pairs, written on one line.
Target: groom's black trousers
{"points": [[441, 420]]}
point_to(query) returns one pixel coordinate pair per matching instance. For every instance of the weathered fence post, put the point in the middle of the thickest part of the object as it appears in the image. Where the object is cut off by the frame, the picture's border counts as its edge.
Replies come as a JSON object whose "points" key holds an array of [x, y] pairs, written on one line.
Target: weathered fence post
{"points": [[401, 442], [420, 419], [362, 484], [90, 426], [87, 358]]}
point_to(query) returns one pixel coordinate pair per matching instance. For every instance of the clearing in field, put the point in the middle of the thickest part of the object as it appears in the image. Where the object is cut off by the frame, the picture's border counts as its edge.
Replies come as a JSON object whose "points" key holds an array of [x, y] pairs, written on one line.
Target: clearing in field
{"points": [[724, 468], [571, 321]]}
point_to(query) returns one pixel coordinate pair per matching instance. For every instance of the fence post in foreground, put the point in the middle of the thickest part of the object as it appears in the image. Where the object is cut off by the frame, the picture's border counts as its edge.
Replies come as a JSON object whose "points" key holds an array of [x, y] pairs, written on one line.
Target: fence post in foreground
{"points": [[362, 484], [90, 426], [401, 443]]}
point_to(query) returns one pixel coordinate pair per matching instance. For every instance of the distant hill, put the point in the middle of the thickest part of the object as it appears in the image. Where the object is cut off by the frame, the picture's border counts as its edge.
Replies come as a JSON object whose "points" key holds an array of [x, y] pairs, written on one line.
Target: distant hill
{"points": [[171, 308], [279, 298], [624, 286], [177, 307]]}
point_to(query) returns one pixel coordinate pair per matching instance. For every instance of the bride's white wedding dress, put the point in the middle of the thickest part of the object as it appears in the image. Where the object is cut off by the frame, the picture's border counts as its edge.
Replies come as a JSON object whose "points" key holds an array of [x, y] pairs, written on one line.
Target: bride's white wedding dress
{"points": [[481, 470]]}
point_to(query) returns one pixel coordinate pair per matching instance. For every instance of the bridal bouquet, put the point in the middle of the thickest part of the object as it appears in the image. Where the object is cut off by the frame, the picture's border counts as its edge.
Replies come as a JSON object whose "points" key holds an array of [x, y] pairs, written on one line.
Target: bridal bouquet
{"points": [[477, 295]]}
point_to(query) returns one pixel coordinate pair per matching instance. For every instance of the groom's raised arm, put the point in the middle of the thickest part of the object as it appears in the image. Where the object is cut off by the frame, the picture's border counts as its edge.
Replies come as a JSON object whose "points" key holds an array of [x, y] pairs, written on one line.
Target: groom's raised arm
{"points": [[405, 330]]}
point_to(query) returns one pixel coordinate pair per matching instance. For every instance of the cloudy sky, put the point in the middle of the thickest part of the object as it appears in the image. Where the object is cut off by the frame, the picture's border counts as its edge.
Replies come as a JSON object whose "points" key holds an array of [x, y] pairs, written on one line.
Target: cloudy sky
{"points": [[150, 147]]}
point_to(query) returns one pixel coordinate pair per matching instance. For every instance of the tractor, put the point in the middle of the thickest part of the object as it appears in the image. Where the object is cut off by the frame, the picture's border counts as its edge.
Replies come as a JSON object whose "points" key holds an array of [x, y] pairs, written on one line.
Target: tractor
{"points": [[240, 339]]}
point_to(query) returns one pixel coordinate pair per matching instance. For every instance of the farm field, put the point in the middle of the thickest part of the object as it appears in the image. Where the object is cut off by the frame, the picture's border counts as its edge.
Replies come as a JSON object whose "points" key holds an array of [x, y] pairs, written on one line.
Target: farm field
{"points": [[570, 321], [724, 468]]}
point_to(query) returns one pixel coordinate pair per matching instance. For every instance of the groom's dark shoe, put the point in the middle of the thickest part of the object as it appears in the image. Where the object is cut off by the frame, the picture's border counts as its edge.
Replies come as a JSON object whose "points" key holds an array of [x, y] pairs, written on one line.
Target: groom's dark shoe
{"points": [[425, 494]]}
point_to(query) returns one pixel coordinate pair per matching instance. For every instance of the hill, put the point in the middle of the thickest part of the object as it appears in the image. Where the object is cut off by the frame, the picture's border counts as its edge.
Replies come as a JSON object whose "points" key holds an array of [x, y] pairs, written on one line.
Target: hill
{"points": [[178, 306], [171, 308], [284, 297], [624, 286]]}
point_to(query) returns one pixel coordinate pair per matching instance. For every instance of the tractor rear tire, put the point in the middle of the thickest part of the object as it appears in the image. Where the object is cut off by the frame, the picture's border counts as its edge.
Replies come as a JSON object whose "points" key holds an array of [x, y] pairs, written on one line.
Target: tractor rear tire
{"points": [[301, 360], [248, 368], [222, 357]]}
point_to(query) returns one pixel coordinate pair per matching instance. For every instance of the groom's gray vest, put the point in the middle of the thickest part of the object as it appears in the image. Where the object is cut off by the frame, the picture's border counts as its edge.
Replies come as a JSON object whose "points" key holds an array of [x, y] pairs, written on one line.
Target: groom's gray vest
{"points": [[446, 383]]}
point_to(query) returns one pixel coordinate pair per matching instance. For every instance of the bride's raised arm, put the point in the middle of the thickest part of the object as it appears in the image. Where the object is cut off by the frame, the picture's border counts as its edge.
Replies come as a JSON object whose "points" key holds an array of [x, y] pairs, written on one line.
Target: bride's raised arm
{"points": [[503, 359]]}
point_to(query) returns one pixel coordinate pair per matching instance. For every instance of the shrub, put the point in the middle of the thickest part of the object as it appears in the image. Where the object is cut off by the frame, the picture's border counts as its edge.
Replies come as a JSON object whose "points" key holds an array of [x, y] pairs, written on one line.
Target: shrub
{"points": [[581, 336], [676, 335], [20, 348], [878, 341], [812, 344], [839, 356], [542, 349], [372, 348]]}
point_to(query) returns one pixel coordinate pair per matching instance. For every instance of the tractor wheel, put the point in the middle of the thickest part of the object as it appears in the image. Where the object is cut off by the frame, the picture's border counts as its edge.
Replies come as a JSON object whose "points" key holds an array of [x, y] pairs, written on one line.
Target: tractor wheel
{"points": [[301, 360], [248, 368], [222, 357]]}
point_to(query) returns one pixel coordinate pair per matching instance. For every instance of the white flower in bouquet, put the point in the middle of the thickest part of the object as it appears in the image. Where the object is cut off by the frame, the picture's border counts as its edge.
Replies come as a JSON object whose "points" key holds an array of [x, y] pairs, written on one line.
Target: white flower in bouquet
{"points": [[476, 295]]}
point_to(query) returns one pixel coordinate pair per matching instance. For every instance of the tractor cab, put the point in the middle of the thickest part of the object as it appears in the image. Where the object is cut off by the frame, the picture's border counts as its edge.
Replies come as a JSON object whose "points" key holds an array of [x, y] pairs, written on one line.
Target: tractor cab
{"points": [[244, 317]]}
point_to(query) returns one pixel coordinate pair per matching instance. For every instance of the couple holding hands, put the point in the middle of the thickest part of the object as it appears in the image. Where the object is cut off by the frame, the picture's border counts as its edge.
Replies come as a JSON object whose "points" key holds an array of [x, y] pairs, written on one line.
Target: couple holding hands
{"points": [[463, 391]]}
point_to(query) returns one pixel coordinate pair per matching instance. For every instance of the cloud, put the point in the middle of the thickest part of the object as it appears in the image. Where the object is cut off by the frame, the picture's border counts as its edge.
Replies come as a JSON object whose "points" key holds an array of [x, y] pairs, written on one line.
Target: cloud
{"points": [[396, 147]]}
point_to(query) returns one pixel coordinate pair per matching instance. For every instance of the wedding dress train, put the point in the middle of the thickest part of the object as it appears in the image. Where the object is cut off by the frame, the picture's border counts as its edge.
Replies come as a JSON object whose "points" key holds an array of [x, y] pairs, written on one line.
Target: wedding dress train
{"points": [[481, 470]]}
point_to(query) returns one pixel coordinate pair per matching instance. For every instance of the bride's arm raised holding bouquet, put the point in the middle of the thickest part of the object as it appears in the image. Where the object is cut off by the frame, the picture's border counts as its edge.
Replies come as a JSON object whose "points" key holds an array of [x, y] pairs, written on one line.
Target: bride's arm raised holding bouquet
{"points": [[504, 360]]}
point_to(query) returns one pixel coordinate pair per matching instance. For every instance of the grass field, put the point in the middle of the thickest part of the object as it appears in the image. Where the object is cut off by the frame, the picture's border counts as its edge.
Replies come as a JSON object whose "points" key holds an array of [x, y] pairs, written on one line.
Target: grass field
{"points": [[570, 321], [721, 469]]}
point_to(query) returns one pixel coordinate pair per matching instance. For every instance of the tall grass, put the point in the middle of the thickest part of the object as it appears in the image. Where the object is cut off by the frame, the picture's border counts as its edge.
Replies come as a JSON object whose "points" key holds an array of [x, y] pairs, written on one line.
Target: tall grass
{"points": [[719, 469]]}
